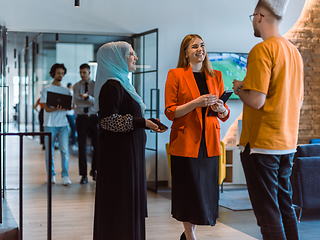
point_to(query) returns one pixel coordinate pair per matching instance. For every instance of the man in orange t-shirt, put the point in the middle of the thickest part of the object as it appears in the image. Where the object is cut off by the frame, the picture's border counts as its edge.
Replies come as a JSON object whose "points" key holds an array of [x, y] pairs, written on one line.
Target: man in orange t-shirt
{"points": [[272, 93]]}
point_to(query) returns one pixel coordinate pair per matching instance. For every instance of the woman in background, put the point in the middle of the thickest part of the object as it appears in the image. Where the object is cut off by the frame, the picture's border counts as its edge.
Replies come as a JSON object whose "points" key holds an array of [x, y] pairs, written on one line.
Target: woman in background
{"points": [[192, 102], [121, 200]]}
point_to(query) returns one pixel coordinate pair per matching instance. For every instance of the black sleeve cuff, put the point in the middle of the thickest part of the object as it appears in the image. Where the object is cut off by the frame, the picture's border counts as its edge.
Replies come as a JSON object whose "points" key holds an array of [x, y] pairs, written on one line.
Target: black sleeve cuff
{"points": [[138, 122]]}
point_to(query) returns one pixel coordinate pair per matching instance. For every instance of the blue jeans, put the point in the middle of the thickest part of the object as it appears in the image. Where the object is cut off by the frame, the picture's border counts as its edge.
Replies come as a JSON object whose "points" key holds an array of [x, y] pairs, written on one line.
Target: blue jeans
{"points": [[62, 133], [269, 187]]}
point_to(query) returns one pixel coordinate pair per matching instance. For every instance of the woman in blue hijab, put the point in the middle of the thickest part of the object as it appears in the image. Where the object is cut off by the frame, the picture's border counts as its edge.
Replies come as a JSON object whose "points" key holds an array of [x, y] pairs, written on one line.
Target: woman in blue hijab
{"points": [[121, 202]]}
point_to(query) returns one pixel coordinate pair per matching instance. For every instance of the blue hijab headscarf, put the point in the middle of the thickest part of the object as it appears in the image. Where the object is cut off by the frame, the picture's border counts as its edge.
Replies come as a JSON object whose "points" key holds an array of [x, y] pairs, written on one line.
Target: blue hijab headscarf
{"points": [[113, 64]]}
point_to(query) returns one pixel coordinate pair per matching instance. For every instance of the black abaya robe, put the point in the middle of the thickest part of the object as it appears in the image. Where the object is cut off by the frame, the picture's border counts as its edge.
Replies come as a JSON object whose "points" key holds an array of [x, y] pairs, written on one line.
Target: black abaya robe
{"points": [[121, 203]]}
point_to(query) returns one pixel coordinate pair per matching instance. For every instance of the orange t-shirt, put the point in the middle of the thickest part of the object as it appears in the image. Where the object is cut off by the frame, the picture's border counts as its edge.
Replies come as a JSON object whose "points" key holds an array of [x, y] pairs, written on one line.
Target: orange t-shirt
{"points": [[275, 68], [41, 105]]}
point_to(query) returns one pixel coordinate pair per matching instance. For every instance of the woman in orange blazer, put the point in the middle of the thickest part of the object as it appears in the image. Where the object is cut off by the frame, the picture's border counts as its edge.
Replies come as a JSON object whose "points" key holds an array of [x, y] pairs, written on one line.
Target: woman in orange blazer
{"points": [[192, 102]]}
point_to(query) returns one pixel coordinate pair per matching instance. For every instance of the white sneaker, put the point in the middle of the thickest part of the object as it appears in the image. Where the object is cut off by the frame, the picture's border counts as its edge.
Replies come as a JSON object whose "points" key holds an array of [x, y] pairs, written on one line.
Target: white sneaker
{"points": [[65, 181], [53, 179]]}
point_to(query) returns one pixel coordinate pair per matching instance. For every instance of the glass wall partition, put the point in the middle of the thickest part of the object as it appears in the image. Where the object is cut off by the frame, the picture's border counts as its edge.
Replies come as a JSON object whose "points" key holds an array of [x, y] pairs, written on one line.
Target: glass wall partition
{"points": [[35, 54], [145, 80], [22, 90], [31, 56], [4, 95], [29, 66]]}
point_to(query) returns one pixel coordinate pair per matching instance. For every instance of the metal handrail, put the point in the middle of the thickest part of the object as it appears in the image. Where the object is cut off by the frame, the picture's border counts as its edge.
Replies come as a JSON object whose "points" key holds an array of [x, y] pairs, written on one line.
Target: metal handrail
{"points": [[49, 185]]}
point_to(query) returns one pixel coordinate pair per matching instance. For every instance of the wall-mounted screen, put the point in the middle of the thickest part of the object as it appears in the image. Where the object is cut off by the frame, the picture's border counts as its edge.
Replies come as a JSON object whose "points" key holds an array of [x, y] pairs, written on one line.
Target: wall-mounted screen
{"points": [[232, 65]]}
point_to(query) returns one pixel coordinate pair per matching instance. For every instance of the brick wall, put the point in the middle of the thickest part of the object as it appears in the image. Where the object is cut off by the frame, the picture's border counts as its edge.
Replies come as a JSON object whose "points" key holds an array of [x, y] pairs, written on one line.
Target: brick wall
{"points": [[305, 35]]}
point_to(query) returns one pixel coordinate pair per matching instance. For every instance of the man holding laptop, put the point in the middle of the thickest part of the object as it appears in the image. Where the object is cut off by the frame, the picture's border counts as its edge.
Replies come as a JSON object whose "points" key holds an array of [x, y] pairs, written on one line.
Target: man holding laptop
{"points": [[56, 99]]}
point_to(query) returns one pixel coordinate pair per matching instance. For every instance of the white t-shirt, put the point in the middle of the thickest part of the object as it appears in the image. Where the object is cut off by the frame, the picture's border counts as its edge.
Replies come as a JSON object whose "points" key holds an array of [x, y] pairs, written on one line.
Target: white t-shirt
{"points": [[57, 118]]}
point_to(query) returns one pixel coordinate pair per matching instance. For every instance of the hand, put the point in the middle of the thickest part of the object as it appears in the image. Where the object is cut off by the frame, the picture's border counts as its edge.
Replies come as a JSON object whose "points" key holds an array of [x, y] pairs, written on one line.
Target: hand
{"points": [[58, 107], [218, 106], [206, 100], [85, 95], [35, 108], [153, 126], [237, 85], [161, 130]]}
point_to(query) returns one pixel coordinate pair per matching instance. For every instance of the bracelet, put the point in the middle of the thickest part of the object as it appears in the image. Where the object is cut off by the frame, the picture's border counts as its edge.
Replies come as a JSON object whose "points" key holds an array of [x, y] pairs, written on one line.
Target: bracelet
{"points": [[239, 88], [222, 114]]}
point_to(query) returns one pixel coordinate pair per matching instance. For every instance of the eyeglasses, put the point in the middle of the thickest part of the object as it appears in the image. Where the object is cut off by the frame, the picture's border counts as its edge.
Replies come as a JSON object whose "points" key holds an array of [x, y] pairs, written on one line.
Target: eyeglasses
{"points": [[133, 54], [255, 14]]}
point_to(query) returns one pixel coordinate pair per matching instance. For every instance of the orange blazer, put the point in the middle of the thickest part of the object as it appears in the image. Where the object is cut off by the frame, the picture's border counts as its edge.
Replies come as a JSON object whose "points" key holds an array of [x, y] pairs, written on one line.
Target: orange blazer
{"points": [[185, 136]]}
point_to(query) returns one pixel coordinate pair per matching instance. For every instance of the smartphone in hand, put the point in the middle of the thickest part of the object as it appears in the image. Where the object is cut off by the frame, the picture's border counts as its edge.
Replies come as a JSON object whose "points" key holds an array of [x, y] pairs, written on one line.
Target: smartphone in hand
{"points": [[226, 95], [160, 125]]}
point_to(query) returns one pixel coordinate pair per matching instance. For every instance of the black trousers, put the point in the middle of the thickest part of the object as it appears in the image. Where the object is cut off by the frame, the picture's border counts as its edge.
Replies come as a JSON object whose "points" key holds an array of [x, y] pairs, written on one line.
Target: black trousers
{"points": [[268, 182], [87, 126], [41, 125]]}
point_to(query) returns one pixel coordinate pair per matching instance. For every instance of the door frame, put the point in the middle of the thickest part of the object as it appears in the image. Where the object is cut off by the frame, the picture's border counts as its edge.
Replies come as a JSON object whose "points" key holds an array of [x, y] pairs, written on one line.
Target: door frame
{"points": [[154, 109]]}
